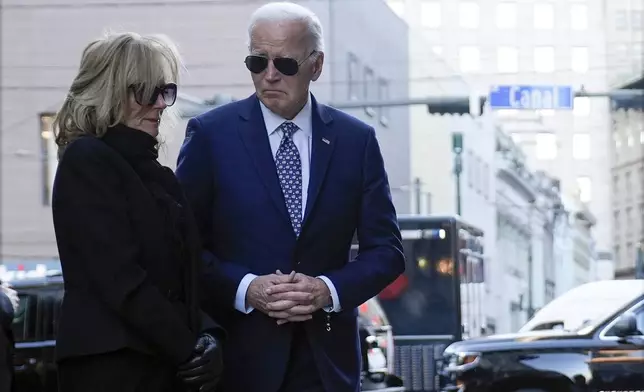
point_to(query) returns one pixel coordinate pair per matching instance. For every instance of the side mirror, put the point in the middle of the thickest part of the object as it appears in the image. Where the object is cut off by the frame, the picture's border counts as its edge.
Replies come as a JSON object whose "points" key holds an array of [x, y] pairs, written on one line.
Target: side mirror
{"points": [[626, 326]]}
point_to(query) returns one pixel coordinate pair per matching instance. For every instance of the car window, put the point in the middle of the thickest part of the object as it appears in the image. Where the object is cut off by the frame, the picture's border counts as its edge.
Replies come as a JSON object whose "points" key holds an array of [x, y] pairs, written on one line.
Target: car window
{"points": [[639, 316], [37, 315]]}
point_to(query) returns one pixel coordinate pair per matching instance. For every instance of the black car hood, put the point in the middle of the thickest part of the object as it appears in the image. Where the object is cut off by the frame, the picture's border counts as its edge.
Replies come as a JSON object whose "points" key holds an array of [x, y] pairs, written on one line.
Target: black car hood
{"points": [[516, 341]]}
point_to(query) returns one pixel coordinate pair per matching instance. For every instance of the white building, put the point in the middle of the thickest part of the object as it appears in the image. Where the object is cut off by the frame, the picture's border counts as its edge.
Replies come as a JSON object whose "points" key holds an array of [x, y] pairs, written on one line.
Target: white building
{"points": [[41, 47], [544, 243], [578, 260], [535, 42], [625, 46]]}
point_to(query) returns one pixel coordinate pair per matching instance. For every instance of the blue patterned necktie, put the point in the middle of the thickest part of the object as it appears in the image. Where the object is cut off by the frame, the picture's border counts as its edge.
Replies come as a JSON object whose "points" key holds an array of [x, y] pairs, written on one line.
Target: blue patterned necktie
{"points": [[289, 171]]}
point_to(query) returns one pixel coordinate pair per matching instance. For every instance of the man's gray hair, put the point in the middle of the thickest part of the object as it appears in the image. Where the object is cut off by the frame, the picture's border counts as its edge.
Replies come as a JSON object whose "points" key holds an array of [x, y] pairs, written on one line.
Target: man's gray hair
{"points": [[285, 11]]}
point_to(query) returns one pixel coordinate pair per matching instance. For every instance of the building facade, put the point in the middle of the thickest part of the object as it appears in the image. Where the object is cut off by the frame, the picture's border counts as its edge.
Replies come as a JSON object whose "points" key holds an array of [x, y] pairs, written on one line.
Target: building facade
{"points": [[625, 46], [627, 185], [624, 26], [535, 42], [578, 262], [529, 214], [41, 48]]}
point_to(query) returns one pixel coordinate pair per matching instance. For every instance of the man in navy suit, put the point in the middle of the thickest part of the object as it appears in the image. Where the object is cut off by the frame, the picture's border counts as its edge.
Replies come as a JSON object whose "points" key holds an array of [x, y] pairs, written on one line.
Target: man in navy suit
{"points": [[279, 184]]}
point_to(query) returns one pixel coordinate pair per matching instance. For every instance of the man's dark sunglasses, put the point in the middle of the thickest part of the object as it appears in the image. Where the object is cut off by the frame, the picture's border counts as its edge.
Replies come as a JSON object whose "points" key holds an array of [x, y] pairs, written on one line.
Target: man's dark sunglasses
{"points": [[168, 93], [285, 65]]}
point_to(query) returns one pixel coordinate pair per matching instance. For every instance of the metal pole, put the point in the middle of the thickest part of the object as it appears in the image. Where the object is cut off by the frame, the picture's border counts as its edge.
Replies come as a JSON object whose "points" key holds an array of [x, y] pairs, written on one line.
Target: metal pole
{"points": [[417, 185], [626, 93], [459, 99], [458, 169], [530, 263]]}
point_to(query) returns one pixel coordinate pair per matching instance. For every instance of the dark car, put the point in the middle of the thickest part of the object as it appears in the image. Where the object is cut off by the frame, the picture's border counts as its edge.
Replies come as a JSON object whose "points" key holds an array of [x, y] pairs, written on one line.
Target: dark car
{"points": [[589, 339], [35, 323], [377, 347], [34, 329]]}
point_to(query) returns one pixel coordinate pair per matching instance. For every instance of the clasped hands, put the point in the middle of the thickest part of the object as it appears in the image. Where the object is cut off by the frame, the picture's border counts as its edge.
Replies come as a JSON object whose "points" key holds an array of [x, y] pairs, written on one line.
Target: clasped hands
{"points": [[288, 298]]}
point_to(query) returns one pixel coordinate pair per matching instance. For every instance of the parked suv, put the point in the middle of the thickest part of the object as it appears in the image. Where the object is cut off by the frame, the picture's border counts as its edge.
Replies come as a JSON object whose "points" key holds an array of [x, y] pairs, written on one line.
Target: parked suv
{"points": [[34, 329], [588, 340]]}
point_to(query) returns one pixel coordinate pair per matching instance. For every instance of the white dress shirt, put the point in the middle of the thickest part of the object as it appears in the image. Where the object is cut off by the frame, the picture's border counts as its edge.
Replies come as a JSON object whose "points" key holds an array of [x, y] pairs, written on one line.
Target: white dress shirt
{"points": [[302, 139]]}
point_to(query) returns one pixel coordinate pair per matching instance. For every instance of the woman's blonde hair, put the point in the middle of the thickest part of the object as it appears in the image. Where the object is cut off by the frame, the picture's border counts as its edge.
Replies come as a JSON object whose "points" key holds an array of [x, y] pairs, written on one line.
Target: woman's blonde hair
{"points": [[99, 95]]}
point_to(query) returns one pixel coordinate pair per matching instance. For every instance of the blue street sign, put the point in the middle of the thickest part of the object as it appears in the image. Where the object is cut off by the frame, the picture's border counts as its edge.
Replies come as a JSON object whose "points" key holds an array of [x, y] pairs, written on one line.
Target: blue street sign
{"points": [[531, 97]]}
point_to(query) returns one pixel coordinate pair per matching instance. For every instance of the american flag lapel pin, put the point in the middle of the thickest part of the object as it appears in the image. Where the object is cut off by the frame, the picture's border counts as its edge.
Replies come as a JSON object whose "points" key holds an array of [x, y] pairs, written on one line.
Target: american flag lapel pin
{"points": [[326, 141]]}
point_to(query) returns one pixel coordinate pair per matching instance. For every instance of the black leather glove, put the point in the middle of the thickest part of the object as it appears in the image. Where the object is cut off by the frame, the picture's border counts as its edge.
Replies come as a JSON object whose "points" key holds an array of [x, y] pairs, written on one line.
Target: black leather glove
{"points": [[202, 371]]}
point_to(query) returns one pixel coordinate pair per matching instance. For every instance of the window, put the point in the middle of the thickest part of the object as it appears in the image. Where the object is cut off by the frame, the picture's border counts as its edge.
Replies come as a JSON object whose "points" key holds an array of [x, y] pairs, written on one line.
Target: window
{"points": [[584, 189], [544, 59], [398, 7], [579, 59], [618, 141], [470, 168], [469, 59], [430, 14], [544, 16], [616, 220], [546, 146], [485, 185], [48, 153], [617, 254], [383, 95], [506, 15], [469, 15], [369, 90], [579, 17], [637, 19], [581, 106], [581, 146], [507, 59], [621, 20], [354, 77]]}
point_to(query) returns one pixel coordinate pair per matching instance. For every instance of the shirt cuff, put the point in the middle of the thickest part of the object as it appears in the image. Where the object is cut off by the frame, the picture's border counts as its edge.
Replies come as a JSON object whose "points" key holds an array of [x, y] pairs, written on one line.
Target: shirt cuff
{"points": [[335, 300], [240, 297]]}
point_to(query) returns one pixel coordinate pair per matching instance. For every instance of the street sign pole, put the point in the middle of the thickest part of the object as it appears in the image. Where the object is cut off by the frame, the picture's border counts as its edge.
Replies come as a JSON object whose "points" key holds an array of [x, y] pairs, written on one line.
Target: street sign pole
{"points": [[430, 101], [457, 149]]}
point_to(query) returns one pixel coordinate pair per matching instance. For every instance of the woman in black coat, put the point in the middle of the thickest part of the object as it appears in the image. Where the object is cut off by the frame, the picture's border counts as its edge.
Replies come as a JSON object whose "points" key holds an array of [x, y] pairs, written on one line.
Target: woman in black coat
{"points": [[129, 250]]}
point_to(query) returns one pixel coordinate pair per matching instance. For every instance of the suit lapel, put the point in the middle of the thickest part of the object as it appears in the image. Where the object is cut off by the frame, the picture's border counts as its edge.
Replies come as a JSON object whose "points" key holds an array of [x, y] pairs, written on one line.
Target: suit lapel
{"points": [[323, 143], [255, 137]]}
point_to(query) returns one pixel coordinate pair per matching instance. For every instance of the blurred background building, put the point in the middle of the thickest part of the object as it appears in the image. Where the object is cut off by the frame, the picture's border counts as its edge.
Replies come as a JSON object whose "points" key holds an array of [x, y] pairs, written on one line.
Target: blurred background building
{"points": [[625, 45], [41, 48]]}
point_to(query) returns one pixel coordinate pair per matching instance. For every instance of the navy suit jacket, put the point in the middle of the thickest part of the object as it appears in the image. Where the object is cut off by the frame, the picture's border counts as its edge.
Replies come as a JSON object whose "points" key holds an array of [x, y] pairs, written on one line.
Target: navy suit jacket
{"points": [[228, 172]]}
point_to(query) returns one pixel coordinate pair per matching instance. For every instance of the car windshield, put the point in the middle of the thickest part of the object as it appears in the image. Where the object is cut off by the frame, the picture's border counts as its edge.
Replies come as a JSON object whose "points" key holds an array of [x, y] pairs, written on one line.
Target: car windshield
{"points": [[585, 306]]}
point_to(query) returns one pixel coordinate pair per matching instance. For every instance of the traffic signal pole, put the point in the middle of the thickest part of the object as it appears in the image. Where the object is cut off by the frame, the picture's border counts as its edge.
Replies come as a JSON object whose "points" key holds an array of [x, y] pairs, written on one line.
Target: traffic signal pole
{"points": [[459, 101]]}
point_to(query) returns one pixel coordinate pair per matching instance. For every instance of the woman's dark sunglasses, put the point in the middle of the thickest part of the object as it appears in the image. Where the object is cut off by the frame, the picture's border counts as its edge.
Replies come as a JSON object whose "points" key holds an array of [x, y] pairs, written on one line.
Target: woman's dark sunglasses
{"points": [[168, 93], [285, 65]]}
